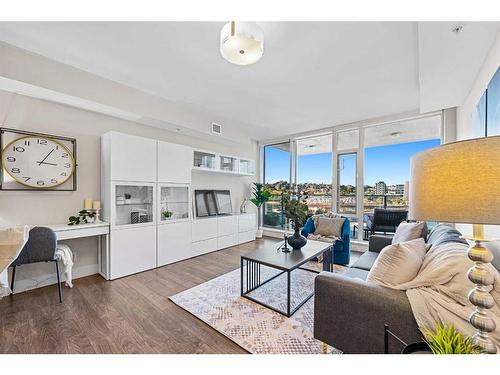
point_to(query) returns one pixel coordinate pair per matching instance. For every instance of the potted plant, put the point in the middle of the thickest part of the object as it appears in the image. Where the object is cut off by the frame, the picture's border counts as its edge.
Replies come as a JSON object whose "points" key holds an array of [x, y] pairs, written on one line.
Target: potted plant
{"points": [[296, 212], [446, 339], [260, 196]]}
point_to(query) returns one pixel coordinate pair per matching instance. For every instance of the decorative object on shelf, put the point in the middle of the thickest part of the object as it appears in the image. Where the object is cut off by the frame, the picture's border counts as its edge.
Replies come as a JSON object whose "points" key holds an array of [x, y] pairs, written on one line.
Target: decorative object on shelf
{"points": [[242, 43], [84, 217], [446, 339], [441, 191], [128, 198], [243, 206], [260, 196], [35, 161], [87, 203], [166, 214], [295, 210], [134, 217]]}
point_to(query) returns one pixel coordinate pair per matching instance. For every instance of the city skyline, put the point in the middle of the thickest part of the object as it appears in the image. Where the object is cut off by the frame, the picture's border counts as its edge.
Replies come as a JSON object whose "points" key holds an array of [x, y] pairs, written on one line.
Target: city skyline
{"points": [[388, 163]]}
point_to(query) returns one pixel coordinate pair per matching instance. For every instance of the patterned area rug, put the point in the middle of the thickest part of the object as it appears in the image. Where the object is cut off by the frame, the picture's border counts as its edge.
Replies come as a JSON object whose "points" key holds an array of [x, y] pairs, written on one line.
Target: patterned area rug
{"points": [[255, 328]]}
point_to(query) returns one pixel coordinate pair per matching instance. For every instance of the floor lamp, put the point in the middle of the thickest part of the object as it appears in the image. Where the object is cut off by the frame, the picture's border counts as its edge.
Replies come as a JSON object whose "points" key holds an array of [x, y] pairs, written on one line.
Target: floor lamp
{"points": [[460, 183]]}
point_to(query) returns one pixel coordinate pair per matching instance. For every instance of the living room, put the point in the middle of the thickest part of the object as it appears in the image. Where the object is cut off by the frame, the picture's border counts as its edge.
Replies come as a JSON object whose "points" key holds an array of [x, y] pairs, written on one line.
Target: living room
{"points": [[289, 186]]}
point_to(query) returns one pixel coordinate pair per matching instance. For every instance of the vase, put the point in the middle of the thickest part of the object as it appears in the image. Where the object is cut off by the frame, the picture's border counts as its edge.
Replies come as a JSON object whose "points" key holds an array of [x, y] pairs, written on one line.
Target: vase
{"points": [[297, 241]]}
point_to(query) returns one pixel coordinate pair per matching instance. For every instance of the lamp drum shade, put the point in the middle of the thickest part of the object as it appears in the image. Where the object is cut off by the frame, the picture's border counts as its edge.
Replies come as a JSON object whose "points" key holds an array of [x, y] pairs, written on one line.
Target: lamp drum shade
{"points": [[457, 183]]}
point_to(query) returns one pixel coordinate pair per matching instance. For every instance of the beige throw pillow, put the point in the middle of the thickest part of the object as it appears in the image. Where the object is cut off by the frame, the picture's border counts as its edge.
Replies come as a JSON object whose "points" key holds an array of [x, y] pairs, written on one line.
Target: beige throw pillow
{"points": [[329, 226], [409, 231], [398, 263]]}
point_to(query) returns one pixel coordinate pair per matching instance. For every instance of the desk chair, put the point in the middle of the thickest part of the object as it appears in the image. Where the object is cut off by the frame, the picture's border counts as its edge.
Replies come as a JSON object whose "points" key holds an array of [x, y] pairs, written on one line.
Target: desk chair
{"points": [[41, 247]]}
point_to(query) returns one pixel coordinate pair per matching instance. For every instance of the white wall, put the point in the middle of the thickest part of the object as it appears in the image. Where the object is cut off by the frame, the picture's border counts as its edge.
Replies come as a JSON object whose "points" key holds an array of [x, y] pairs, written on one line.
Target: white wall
{"points": [[464, 121], [21, 112]]}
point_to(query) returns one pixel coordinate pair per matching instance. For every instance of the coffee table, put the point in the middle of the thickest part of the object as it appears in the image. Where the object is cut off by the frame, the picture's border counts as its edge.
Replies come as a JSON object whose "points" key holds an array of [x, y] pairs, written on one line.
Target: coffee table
{"points": [[286, 263]]}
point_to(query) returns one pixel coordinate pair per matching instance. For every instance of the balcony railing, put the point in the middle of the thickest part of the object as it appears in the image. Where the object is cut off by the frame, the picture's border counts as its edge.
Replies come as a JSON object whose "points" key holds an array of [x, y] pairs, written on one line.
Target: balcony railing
{"points": [[347, 203]]}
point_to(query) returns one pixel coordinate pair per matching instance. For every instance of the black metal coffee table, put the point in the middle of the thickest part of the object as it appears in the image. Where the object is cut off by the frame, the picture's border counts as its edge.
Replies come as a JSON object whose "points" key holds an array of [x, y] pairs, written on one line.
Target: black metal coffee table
{"points": [[285, 262]]}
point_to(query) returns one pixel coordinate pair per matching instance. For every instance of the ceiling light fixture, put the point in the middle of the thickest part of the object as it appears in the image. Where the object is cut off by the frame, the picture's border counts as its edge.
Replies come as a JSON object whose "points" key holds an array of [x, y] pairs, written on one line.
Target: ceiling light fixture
{"points": [[241, 43]]}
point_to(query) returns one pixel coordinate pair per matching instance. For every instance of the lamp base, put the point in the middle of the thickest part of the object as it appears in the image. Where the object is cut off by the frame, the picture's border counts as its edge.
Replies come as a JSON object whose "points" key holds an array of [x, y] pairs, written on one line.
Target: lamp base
{"points": [[479, 296]]}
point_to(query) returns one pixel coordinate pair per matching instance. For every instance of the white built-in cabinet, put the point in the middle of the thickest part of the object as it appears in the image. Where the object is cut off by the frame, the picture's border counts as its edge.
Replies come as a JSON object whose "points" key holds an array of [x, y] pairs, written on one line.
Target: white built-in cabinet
{"points": [[147, 199]]}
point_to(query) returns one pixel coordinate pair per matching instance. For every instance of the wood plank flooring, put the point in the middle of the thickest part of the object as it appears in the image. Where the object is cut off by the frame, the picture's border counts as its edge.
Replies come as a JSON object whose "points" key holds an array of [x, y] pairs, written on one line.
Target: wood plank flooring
{"points": [[128, 315]]}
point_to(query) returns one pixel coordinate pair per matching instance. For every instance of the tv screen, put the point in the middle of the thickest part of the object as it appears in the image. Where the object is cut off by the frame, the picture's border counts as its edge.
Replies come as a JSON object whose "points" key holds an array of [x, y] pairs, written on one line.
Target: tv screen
{"points": [[205, 203], [223, 199]]}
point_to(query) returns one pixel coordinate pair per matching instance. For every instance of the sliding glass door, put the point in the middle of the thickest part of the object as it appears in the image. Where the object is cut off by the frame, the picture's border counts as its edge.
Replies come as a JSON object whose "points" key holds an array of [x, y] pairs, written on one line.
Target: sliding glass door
{"points": [[277, 161]]}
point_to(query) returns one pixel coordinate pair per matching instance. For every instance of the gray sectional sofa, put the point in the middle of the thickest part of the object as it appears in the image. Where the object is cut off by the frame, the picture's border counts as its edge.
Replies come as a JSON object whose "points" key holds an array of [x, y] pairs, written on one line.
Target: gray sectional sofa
{"points": [[350, 313]]}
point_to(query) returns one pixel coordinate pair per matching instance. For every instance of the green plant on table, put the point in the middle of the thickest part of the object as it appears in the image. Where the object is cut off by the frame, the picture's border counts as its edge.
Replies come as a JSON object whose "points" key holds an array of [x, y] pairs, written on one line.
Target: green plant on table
{"points": [[446, 339], [295, 208], [84, 217]]}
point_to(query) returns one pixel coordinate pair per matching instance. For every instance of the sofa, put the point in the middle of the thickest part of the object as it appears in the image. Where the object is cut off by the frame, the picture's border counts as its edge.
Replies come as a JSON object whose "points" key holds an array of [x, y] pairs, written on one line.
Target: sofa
{"points": [[341, 248], [350, 313]]}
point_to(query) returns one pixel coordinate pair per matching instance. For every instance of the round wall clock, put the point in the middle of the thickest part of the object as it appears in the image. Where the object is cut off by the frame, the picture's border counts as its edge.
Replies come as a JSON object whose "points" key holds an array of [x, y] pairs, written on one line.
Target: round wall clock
{"points": [[38, 162]]}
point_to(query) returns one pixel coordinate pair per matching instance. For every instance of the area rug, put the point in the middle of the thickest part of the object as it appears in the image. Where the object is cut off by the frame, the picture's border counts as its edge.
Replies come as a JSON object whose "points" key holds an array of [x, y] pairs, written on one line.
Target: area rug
{"points": [[255, 328]]}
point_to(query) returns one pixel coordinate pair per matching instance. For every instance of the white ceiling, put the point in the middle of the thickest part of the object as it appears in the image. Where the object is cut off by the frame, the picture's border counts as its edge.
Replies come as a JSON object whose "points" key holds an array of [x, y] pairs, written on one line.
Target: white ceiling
{"points": [[312, 75]]}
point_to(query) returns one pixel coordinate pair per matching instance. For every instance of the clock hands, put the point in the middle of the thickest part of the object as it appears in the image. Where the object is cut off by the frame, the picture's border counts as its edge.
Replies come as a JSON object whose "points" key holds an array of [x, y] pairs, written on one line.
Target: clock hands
{"points": [[42, 162]]}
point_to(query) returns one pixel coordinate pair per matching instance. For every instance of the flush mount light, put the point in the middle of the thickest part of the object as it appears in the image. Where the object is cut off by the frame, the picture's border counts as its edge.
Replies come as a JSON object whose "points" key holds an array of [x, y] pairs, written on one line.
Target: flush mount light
{"points": [[241, 43]]}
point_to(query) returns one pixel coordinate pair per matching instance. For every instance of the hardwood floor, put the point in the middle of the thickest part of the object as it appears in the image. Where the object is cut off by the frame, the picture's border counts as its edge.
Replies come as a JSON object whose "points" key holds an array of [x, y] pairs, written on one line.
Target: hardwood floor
{"points": [[128, 315]]}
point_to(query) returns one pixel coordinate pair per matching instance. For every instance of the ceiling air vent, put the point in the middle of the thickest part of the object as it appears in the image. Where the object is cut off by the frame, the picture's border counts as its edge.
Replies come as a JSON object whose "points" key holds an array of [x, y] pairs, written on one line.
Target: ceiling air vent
{"points": [[216, 128]]}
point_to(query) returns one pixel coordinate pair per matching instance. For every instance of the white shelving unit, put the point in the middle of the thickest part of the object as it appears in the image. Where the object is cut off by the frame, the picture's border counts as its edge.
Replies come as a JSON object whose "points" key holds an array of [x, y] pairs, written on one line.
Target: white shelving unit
{"points": [[146, 197], [213, 162]]}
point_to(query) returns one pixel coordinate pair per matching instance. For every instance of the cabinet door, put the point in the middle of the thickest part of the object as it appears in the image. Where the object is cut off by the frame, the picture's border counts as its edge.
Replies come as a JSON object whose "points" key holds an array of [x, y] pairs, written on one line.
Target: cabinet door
{"points": [[132, 250], [175, 163], [227, 225], [204, 229], [132, 158], [247, 222], [174, 242]]}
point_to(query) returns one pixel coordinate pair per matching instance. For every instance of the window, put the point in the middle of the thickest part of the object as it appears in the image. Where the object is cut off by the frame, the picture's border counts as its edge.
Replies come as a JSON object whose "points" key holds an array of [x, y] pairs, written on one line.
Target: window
{"points": [[486, 116], [277, 159], [314, 172], [388, 150], [493, 106]]}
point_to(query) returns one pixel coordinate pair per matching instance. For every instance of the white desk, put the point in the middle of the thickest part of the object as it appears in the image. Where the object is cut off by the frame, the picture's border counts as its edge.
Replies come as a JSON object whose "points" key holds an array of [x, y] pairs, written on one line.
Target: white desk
{"points": [[68, 232]]}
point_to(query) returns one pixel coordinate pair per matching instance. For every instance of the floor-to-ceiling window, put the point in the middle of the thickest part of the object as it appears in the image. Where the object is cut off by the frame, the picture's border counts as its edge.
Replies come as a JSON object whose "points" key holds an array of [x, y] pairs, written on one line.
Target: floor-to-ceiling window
{"points": [[314, 172], [277, 159], [387, 154], [352, 171]]}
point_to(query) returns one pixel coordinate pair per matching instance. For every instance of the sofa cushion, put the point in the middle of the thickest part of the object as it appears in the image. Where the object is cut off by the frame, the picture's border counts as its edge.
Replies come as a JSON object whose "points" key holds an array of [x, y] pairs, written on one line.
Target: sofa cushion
{"points": [[398, 263], [365, 261], [329, 227], [443, 233], [410, 231]]}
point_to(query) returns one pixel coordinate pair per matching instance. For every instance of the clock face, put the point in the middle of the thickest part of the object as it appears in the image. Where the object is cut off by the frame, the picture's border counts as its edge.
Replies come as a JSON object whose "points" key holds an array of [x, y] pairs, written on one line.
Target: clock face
{"points": [[38, 162]]}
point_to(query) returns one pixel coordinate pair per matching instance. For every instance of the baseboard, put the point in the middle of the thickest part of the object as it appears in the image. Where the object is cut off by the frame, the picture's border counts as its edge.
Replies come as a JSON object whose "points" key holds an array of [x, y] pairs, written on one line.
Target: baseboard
{"points": [[22, 285]]}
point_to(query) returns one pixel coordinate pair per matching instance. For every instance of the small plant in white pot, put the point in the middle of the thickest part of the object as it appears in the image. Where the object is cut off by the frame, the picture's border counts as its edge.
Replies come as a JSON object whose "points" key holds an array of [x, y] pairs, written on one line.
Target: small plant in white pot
{"points": [[260, 196]]}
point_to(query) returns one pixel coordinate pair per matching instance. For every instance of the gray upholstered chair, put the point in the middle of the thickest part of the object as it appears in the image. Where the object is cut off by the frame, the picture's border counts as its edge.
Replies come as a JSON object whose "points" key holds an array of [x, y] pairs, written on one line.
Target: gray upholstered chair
{"points": [[41, 247]]}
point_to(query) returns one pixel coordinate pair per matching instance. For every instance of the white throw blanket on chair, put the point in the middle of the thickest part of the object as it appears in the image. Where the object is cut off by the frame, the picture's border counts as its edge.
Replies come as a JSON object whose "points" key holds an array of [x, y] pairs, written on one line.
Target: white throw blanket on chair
{"points": [[12, 241], [438, 294], [65, 255]]}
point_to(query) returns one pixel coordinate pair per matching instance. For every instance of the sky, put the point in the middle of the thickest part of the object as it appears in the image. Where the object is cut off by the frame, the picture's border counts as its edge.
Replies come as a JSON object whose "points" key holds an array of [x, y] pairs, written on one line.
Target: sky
{"points": [[390, 163]]}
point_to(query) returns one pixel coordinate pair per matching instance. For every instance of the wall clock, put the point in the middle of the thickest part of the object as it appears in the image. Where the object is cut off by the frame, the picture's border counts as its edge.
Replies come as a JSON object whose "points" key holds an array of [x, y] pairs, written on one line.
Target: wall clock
{"points": [[33, 161]]}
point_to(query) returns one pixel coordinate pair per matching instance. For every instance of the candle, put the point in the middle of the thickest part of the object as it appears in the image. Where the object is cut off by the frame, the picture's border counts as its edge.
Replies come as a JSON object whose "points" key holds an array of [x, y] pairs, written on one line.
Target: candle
{"points": [[96, 205], [87, 203]]}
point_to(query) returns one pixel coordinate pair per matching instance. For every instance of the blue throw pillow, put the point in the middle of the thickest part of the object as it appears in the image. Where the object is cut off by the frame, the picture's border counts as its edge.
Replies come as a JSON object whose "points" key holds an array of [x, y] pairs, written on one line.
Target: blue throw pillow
{"points": [[308, 227]]}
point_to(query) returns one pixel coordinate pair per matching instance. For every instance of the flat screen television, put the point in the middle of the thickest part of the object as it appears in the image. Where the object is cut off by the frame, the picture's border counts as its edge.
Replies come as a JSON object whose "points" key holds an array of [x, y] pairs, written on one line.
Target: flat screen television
{"points": [[223, 200], [205, 203]]}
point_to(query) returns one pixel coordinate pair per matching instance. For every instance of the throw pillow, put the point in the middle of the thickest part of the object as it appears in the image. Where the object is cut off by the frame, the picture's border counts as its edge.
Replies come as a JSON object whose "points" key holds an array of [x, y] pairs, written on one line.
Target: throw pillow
{"points": [[398, 263], [329, 226], [410, 231]]}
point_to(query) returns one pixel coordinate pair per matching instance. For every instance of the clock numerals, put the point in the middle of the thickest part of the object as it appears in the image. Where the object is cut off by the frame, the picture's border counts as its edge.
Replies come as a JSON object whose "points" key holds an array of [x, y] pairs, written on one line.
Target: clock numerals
{"points": [[26, 179], [27, 142], [67, 165], [42, 142], [18, 149], [64, 174], [65, 155], [40, 182], [53, 181], [11, 159], [15, 170]]}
